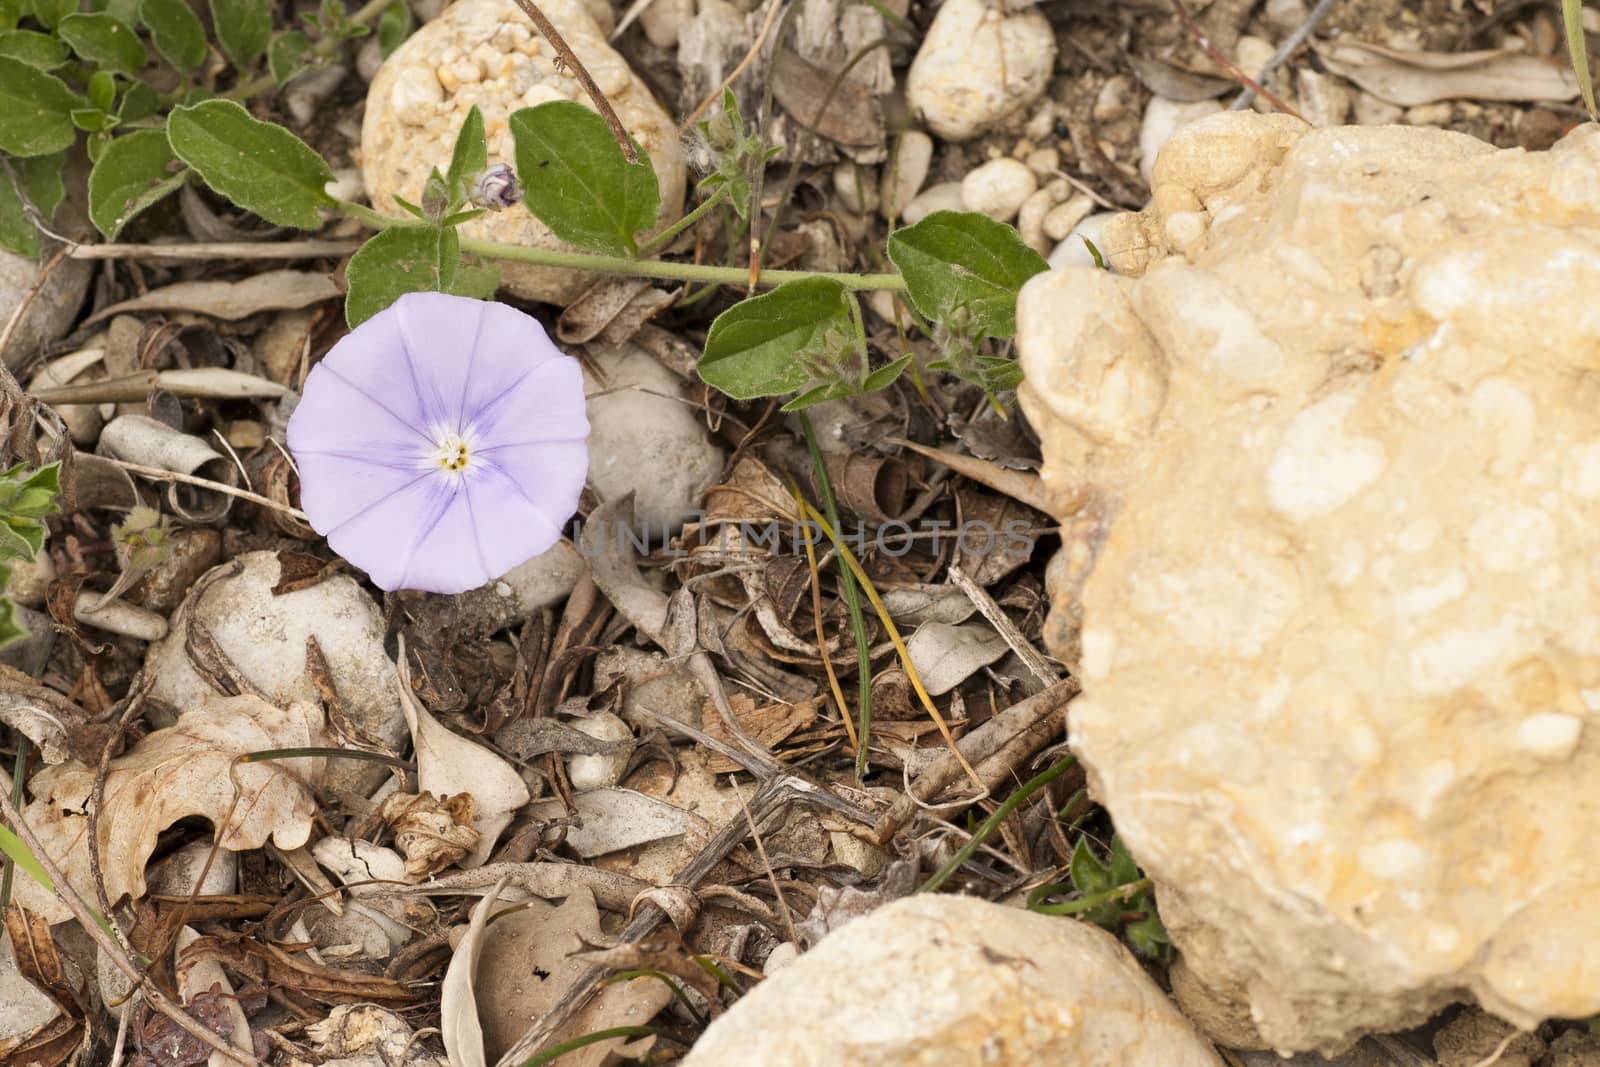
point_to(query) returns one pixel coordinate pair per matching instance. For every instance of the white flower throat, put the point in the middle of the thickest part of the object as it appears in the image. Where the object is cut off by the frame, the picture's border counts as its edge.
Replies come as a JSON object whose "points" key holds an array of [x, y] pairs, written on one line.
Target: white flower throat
{"points": [[453, 453]]}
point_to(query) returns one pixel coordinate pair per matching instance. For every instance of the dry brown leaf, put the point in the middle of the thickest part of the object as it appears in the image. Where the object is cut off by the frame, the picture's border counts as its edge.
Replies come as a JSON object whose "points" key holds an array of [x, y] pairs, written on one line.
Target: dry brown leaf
{"points": [[1412, 78], [768, 724], [529, 964], [458, 1000], [448, 763], [431, 832], [273, 290], [36, 1025], [185, 770]]}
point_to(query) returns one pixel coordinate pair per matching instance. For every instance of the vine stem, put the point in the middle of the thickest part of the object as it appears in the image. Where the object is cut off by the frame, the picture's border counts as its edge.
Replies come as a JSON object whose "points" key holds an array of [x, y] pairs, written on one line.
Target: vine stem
{"points": [[320, 51], [642, 268], [664, 238]]}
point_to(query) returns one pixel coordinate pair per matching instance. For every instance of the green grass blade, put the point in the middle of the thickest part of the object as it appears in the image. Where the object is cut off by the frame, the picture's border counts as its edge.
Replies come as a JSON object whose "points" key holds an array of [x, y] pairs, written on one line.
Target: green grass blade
{"points": [[1578, 48]]}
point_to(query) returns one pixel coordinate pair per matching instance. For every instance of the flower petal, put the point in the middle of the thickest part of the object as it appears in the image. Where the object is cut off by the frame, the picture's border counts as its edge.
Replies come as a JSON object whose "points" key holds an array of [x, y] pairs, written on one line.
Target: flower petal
{"points": [[545, 405], [549, 476], [440, 335], [372, 362]]}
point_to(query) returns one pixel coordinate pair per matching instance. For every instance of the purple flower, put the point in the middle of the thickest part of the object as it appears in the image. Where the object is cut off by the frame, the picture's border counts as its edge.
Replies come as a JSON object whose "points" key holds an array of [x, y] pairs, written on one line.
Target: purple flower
{"points": [[441, 443]]}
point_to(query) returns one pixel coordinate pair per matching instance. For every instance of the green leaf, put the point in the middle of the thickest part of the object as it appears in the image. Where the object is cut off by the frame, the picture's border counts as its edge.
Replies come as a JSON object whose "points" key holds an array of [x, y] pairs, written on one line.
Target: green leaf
{"points": [[960, 259], [33, 48], [575, 179], [176, 31], [1089, 874], [40, 179], [399, 260], [476, 279], [124, 11], [51, 12], [1123, 867], [17, 233], [139, 102], [470, 157], [1578, 50], [20, 538], [755, 347], [102, 90], [10, 843], [884, 377], [35, 110], [11, 12], [243, 27], [288, 55], [105, 42], [260, 167], [394, 26], [135, 171], [821, 394]]}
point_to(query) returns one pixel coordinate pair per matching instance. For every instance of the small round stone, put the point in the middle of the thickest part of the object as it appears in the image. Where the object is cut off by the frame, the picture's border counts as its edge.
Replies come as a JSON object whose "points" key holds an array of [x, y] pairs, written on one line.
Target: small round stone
{"points": [[998, 188]]}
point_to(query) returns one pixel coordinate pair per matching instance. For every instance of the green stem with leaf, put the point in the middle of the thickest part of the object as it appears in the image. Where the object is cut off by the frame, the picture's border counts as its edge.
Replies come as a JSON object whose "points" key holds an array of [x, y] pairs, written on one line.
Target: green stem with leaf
{"points": [[642, 268], [664, 238]]}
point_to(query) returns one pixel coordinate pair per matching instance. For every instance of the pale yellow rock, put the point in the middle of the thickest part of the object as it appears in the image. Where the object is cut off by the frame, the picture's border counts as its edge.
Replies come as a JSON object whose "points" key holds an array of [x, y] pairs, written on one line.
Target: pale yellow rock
{"points": [[1329, 468], [979, 66], [947, 981], [484, 52]]}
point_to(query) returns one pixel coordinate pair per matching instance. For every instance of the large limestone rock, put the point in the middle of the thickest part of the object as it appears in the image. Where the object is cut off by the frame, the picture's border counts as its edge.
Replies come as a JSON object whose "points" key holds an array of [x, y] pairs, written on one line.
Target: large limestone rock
{"points": [[944, 981], [1328, 454], [486, 52]]}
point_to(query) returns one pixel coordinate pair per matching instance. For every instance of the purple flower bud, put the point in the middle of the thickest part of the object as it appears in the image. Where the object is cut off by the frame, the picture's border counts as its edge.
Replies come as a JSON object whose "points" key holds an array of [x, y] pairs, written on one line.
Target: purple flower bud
{"points": [[441, 443], [496, 188]]}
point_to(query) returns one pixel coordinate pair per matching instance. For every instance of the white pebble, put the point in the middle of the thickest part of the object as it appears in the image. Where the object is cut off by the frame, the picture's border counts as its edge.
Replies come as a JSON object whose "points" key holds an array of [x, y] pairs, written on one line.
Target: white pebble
{"points": [[1030, 221], [856, 186], [1063, 218], [904, 175], [998, 188], [1072, 252], [601, 770], [946, 196], [1044, 162]]}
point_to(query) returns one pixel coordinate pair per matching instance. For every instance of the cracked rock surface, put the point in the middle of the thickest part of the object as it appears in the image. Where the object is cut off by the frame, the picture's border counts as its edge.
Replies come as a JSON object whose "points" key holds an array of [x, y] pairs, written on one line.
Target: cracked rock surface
{"points": [[1327, 451]]}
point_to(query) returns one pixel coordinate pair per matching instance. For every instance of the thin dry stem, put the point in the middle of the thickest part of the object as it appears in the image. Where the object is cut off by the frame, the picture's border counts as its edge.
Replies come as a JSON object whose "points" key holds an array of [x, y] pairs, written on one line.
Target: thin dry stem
{"points": [[308, 249], [573, 63], [159, 474], [1227, 64]]}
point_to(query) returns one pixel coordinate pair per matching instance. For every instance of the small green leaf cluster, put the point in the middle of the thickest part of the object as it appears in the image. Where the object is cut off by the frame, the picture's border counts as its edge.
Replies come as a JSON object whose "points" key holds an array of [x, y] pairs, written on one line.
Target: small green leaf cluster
{"points": [[1130, 912], [25, 500], [736, 152], [68, 74]]}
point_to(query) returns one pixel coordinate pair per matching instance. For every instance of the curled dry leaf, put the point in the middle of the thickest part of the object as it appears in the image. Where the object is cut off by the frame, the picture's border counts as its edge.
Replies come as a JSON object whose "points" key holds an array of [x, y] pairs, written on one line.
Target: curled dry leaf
{"points": [[448, 763], [273, 290], [55, 724], [1412, 78], [33, 1024], [458, 1001], [188, 769], [431, 832]]}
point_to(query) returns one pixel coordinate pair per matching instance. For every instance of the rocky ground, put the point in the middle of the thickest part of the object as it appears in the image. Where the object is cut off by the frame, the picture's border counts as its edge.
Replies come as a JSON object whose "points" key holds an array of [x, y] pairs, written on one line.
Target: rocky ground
{"points": [[1295, 575]]}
